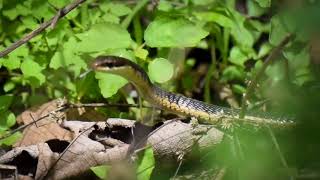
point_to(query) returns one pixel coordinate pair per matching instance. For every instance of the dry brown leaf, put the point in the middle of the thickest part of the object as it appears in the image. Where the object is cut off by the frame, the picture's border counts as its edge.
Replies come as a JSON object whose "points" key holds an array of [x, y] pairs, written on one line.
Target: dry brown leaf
{"points": [[169, 142], [32, 160], [45, 129]]}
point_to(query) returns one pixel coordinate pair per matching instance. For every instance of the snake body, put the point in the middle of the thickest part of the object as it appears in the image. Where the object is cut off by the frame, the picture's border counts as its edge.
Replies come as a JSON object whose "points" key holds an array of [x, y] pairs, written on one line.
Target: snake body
{"points": [[180, 104]]}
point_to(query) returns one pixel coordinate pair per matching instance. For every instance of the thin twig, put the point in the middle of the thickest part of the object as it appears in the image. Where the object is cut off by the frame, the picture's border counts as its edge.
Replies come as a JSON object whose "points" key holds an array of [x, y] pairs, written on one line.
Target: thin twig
{"points": [[254, 81], [66, 107], [42, 27], [67, 148], [282, 158], [178, 168], [35, 123], [107, 105]]}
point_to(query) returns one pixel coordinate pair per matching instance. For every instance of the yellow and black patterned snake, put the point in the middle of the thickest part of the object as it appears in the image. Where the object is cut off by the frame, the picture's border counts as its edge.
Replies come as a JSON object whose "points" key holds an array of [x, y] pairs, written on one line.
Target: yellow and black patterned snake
{"points": [[179, 104]]}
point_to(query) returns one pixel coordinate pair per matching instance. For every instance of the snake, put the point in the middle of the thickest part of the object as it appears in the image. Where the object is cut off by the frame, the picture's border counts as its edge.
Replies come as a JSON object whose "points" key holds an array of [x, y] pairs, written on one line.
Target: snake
{"points": [[182, 105]]}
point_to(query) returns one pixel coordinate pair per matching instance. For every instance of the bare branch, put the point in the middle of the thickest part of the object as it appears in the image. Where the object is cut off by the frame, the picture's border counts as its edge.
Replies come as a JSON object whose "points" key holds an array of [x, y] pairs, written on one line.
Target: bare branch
{"points": [[61, 13]]}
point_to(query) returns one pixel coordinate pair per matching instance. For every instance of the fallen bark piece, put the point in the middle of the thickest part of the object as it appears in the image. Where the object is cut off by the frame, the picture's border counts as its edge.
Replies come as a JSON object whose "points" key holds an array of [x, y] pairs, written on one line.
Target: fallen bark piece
{"points": [[169, 142], [175, 138]]}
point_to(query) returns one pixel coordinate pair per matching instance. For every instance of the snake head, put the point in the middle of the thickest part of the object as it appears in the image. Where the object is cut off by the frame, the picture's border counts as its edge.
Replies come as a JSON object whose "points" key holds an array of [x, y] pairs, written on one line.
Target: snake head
{"points": [[110, 63], [121, 66]]}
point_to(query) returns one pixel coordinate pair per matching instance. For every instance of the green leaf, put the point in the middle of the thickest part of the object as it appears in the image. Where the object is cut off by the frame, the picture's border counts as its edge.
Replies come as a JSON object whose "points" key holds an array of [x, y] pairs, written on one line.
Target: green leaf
{"points": [[232, 73], [42, 10], [297, 55], [173, 32], [55, 35], [109, 83], [257, 66], [29, 22], [7, 120], [22, 51], [239, 32], [264, 3], [203, 2], [15, 12], [5, 102], [302, 76], [146, 165], [258, 26], [128, 54], [30, 68], [164, 6], [102, 37], [120, 9], [11, 119], [255, 9], [107, 17], [299, 62], [239, 89], [276, 71], [87, 86], [12, 62], [116, 9], [141, 53], [101, 171], [160, 70], [68, 57], [11, 139], [59, 3], [9, 86], [218, 18], [238, 57], [264, 49], [278, 30]]}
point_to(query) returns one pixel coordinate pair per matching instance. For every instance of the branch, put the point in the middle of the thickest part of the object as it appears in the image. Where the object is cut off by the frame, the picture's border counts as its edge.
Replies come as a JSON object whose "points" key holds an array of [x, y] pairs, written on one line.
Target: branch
{"points": [[61, 13], [87, 149], [63, 107], [254, 81], [80, 105]]}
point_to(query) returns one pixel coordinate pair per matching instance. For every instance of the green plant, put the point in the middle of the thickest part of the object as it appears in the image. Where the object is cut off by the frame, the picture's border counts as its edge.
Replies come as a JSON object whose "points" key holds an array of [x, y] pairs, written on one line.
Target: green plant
{"points": [[48, 66]]}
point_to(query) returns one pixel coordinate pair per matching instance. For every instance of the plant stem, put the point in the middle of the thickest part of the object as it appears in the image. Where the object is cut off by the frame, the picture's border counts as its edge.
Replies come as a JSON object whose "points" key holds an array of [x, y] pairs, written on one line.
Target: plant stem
{"points": [[212, 68], [125, 23], [254, 81]]}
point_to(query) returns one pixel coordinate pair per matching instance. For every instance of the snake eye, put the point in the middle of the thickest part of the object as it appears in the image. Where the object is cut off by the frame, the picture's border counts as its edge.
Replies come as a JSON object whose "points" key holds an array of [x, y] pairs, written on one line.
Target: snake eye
{"points": [[108, 64]]}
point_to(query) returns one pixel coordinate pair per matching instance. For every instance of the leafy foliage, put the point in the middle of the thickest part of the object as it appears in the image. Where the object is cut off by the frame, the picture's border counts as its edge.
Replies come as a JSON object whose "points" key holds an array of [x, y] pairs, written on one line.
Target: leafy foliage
{"points": [[173, 32], [101, 171], [160, 76], [236, 36], [146, 165]]}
